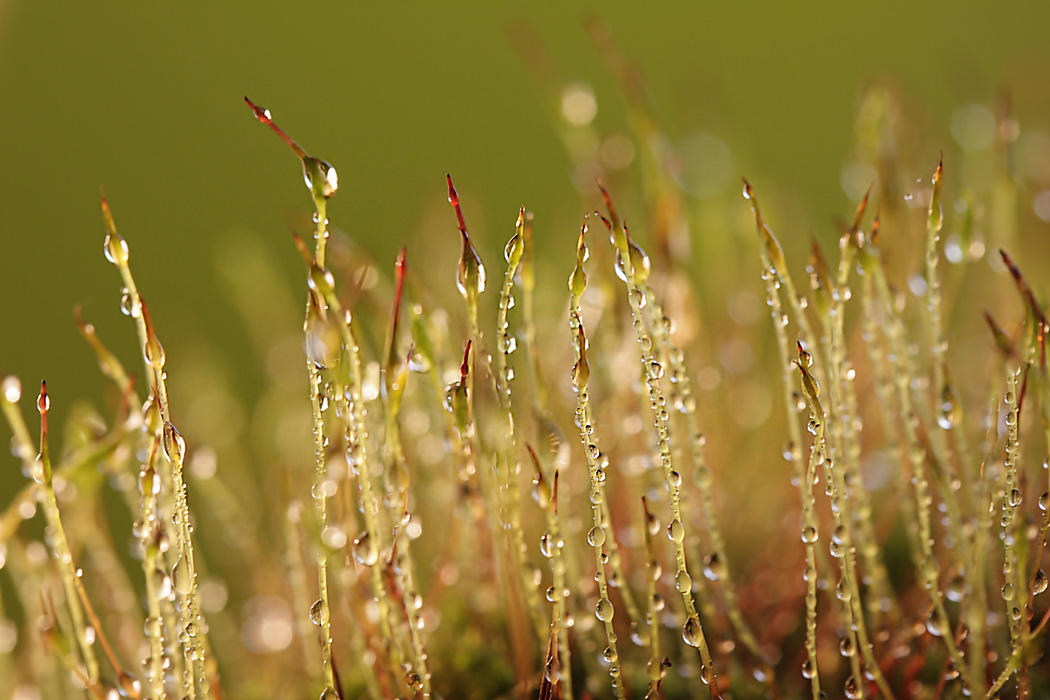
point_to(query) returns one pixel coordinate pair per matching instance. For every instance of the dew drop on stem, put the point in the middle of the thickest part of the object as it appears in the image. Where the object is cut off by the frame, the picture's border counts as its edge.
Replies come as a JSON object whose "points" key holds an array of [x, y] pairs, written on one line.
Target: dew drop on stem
{"points": [[364, 553], [181, 578], [604, 610], [319, 613], [1040, 583], [691, 633]]}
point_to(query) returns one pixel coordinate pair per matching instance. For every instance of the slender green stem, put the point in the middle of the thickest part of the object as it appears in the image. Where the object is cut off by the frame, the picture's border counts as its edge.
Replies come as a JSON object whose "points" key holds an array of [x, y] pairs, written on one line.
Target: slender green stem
{"points": [[634, 269], [42, 473]]}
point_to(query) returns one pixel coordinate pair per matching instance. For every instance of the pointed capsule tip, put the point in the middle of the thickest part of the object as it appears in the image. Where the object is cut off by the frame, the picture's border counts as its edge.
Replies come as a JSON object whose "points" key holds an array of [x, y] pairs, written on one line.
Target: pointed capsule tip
{"points": [[261, 113], [453, 196], [464, 368]]}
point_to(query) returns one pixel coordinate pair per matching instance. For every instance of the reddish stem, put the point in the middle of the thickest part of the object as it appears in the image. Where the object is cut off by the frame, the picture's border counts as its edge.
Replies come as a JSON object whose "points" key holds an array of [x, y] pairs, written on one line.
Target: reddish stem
{"points": [[453, 199], [264, 116]]}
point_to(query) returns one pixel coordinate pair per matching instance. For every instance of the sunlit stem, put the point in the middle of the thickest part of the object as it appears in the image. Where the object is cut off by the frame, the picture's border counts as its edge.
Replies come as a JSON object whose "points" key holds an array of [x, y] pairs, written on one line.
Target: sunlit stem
{"points": [[682, 397], [597, 536], [929, 567], [59, 542], [636, 272], [150, 535], [506, 342], [652, 570], [357, 445]]}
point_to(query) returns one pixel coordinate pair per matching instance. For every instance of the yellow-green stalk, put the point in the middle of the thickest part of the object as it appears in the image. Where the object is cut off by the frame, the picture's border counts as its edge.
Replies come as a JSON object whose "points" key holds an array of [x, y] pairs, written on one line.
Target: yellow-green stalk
{"points": [[42, 473], [805, 474], [633, 268], [845, 440], [929, 567], [1014, 584], [596, 537], [393, 387], [507, 453], [546, 496], [842, 547], [322, 181], [683, 400], [366, 547], [653, 570]]}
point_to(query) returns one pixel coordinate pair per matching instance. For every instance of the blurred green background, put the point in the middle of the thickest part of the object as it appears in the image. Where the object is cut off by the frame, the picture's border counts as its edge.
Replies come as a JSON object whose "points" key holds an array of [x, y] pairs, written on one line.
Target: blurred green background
{"points": [[146, 100]]}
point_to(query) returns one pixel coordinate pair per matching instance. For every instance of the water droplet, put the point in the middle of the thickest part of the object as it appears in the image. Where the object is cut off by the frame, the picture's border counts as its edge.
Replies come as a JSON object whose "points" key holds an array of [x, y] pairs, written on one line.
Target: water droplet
{"points": [[683, 582], [692, 634], [329, 694], [116, 250], [181, 578], [1040, 583], [1009, 592], [510, 344], [956, 589], [319, 613], [639, 634], [714, 569], [656, 370], [127, 306], [364, 553], [596, 537], [604, 610], [809, 534], [1015, 498], [807, 669], [329, 177], [676, 531], [1043, 501], [174, 445], [163, 589], [852, 690]]}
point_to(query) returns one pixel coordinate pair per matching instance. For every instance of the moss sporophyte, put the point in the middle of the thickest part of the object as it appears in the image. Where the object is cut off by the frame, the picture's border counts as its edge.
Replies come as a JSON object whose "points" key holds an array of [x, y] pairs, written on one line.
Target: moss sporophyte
{"points": [[474, 501]]}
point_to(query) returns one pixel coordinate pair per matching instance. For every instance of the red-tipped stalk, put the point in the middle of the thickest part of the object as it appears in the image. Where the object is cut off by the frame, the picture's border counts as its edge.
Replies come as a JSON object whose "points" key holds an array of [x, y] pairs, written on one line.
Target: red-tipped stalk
{"points": [[263, 115], [453, 199]]}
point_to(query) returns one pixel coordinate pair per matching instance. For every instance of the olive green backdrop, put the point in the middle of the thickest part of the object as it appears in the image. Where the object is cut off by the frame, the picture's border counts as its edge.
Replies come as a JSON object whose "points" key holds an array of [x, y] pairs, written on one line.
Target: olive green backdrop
{"points": [[145, 98]]}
